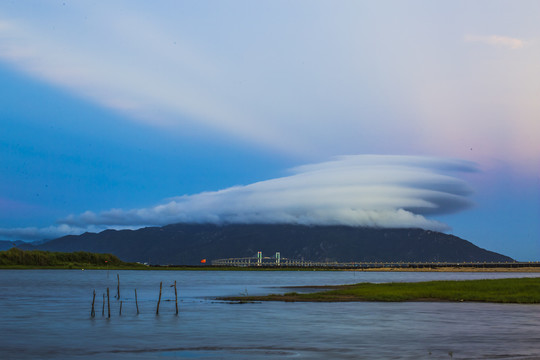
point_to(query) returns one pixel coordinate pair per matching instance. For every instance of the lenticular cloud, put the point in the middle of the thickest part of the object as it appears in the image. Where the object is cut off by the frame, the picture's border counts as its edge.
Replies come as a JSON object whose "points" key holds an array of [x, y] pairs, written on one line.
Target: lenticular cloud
{"points": [[363, 190]]}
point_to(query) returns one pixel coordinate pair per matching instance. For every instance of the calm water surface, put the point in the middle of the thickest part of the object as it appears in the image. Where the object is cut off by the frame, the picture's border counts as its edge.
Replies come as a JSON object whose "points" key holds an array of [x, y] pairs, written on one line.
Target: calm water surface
{"points": [[45, 314]]}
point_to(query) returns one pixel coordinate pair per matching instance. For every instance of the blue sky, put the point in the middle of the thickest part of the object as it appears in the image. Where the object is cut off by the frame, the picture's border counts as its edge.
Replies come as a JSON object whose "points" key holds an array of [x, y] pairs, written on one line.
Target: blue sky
{"points": [[127, 114]]}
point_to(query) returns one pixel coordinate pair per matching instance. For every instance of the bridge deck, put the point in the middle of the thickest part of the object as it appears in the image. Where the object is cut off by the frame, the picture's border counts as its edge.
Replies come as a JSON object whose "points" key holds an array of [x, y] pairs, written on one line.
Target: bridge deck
{"points": [[271, 262]]}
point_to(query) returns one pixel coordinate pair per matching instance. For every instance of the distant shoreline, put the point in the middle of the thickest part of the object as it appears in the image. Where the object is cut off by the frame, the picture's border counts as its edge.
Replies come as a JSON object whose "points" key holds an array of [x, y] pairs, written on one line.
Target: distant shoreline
{"points": [[15, 258], [221, 268]]}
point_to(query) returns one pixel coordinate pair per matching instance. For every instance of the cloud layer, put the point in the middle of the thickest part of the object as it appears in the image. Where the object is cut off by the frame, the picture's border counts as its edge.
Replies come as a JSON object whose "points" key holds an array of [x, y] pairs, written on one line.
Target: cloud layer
{"points": [[375, 191]]}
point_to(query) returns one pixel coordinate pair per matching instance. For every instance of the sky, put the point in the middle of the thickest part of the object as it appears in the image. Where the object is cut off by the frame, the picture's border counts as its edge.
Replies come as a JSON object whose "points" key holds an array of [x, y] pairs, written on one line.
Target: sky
{"points": [[124, 114]]}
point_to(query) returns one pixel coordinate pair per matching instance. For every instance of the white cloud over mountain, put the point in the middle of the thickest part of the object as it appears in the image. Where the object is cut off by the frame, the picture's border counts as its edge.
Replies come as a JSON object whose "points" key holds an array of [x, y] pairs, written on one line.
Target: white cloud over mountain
{"points": [[364, 190]]}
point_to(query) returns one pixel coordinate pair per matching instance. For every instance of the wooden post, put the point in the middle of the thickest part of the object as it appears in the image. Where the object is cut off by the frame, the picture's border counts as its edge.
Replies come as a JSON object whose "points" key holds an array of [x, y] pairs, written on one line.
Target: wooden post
{"points": [[159, 299], [103, 307], [136, 303], [93, 312], [121, 308], [118, 287], [108, 304], [175, 297]]}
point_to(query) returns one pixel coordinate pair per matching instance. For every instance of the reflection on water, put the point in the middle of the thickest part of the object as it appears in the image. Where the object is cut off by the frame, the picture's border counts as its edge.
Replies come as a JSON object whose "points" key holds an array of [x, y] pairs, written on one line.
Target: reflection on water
{"points": [[46, 314]]}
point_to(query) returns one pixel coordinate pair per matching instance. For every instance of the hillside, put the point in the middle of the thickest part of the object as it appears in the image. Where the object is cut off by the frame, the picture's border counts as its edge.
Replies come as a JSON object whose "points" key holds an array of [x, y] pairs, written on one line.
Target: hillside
{"points": [[187, 244], [6, 244]]}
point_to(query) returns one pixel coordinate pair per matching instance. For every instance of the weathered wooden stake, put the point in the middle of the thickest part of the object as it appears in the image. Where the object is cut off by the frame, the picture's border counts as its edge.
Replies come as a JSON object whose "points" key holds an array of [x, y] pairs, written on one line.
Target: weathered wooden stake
{"points": [[121, 308], [136, 303], [175, 297], [103, 307], [118, 287], [93, 312], [159, 299], [108, 303]]}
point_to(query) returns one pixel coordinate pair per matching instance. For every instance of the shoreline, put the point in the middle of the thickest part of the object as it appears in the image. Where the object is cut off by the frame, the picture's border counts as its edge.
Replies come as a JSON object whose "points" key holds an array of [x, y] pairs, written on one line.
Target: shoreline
{"points": [[523, 269]]}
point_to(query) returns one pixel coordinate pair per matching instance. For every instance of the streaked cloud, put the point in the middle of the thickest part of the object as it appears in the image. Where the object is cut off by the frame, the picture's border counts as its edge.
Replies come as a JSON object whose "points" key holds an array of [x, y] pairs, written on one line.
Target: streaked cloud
{"points": [[303, 86], [130, 63], [496, 40]]}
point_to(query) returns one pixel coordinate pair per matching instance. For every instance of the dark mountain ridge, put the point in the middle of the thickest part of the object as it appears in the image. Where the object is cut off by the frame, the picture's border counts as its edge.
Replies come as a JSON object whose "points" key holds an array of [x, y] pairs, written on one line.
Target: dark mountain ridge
{"points": [[187, 244]]}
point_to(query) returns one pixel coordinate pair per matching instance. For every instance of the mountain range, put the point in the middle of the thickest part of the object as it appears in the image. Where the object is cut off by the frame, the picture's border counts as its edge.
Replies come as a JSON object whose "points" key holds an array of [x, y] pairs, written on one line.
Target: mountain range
{"points": [[187, 244]]}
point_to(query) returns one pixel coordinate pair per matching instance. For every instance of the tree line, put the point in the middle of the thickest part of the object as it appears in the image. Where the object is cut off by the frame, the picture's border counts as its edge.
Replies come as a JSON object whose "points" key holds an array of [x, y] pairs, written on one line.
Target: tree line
{"points": [[18, 257]]}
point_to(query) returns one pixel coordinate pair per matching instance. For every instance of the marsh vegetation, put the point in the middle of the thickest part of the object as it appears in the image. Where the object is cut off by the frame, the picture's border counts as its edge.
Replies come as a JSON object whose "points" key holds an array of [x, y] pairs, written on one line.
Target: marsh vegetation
{"points": [[517, 290]]}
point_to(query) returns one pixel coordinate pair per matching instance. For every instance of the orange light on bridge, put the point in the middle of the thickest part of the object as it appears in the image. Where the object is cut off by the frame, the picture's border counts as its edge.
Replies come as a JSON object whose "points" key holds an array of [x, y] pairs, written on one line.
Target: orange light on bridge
{"points": [[203, 261]]}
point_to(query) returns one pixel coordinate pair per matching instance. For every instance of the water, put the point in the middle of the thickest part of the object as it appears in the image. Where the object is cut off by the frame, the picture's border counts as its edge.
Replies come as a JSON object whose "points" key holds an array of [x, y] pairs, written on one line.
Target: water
{"points": [[45, 314]]}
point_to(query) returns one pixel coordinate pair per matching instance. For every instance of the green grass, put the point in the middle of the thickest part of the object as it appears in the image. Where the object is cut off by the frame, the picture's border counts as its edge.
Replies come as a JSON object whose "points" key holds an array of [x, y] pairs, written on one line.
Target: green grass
{"points": [[517, 290]]}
